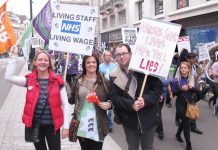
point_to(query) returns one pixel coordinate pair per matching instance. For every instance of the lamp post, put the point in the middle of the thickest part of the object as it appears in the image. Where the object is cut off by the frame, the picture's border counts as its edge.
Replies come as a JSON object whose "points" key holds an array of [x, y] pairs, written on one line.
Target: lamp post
{"points": [[31, 9], [32, 50]]}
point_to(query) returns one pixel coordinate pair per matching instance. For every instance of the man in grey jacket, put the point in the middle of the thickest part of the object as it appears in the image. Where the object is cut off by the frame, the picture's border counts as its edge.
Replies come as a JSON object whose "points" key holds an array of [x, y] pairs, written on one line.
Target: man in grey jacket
{"points": [[138, 115]]}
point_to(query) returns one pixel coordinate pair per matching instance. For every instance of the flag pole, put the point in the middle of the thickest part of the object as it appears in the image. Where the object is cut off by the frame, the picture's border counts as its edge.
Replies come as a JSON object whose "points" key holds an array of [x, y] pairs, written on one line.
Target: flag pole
{"points": [[66, 66]]}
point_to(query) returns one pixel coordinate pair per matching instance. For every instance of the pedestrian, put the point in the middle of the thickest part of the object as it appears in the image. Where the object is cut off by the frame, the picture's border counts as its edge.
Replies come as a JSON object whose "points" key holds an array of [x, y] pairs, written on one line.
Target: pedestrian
{"points": [[214, 73], [46, 100], [92, 113], [166, 89], [106, 67], [185, 90], [196, 72], [138, 115]]}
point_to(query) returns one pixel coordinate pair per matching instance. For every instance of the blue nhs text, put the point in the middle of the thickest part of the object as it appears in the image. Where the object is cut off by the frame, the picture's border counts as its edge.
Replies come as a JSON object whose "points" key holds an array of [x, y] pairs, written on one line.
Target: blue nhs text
{"points": [[70, 27]]}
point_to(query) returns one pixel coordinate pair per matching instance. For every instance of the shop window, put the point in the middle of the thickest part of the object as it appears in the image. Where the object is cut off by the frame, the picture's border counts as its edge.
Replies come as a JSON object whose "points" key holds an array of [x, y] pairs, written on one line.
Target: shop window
{"points": [[158, 7], [182, 3], [140, 9]]}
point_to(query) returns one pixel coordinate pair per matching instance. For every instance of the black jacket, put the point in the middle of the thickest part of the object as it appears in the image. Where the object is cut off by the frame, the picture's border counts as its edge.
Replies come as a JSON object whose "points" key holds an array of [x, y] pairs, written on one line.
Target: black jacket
{"points": [[146, 117]]}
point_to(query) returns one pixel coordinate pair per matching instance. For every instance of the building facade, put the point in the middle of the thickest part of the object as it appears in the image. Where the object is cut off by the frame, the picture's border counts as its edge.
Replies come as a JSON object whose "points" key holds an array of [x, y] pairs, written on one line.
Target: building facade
{"points": [[197, 17]]}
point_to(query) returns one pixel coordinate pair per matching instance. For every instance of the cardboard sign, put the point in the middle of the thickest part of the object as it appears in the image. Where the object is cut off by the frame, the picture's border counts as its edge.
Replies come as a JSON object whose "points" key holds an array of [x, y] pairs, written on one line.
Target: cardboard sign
{"points": [[184, 42], [203, 51], [129, 36], [155, 45], [73, 28]]}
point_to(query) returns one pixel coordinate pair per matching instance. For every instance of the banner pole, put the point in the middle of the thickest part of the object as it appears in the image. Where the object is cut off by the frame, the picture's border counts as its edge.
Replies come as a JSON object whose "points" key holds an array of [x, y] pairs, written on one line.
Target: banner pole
{"points": [[66, 66], [143, 85]]}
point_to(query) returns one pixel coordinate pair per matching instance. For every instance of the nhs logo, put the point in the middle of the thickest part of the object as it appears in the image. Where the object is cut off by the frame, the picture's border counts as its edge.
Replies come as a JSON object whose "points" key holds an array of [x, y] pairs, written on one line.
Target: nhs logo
{"points": [[70, 27]]}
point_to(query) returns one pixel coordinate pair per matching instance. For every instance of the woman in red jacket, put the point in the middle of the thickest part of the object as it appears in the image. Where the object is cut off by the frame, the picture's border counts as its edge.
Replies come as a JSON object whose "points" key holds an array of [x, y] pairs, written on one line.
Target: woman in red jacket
{"points": [[46, 105]]}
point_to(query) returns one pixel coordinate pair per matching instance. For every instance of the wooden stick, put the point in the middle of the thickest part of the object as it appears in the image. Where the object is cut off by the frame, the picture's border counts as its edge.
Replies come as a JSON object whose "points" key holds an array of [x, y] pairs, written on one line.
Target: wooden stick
{"points": [[66, 66], [143, 85]]}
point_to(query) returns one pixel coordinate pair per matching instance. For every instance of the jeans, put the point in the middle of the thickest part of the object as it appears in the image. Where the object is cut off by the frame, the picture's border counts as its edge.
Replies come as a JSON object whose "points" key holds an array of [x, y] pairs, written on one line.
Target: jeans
{"points": [[46, 132], [146, 139]]}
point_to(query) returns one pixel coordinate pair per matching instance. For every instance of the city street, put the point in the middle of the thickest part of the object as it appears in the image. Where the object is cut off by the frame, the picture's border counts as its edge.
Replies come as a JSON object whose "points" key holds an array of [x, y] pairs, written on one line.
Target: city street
{"points": [[11, 135]]}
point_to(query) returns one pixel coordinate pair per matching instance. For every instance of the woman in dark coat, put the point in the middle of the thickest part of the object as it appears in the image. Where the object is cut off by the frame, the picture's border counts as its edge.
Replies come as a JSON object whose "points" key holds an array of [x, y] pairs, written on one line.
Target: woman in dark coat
{"points": [[184, 88]]}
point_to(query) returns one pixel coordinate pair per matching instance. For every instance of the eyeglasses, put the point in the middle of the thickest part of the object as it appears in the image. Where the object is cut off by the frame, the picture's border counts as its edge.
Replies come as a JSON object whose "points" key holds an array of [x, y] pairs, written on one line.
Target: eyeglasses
{"points": [[122, 54]]}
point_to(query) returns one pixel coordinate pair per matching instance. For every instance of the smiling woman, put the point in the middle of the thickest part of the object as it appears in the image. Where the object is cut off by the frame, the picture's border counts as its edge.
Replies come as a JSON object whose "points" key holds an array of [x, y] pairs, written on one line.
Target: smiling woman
{"points": [[46, 107]]}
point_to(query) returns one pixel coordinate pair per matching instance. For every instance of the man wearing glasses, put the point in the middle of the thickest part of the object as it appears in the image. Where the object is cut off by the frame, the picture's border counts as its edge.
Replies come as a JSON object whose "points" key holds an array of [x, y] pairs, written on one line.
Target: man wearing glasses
{"points": [[138, 115]]}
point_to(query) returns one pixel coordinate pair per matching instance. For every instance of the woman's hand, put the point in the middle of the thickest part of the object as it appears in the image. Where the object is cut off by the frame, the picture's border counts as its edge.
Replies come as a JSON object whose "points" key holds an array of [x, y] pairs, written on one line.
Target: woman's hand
{"points": [[185, 88], [104, 105], [65, 133]]}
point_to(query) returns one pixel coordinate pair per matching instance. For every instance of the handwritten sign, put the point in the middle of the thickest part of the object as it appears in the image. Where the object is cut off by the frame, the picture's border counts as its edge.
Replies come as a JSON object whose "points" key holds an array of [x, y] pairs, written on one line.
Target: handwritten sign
{"points": [[73, 28], [203, 51], [184, 42], [129, 36], [155, 45]]}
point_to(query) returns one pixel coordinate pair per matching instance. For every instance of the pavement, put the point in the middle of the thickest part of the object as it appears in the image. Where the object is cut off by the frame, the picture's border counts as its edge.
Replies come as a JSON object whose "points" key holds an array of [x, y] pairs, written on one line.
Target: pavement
{"points": [[12, 128]]}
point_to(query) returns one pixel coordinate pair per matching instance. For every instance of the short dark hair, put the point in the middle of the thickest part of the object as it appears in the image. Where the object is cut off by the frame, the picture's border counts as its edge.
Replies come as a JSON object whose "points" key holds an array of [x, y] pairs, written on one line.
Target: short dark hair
{"points": [[125, 45]]}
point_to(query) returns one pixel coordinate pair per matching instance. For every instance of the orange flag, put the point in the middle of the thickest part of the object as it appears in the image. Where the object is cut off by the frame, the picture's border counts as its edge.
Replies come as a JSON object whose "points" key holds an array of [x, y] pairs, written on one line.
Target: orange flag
{"points": [[7, 35]]}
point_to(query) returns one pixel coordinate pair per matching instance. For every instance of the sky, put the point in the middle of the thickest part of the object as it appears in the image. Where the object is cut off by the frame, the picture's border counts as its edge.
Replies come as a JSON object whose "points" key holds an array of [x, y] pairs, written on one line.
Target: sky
{"points": [[22, 7]]}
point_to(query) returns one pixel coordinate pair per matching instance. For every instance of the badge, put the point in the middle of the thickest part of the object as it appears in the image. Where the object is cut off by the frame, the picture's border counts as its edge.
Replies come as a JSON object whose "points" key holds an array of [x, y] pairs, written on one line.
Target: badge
{"points": [[29, 87]]}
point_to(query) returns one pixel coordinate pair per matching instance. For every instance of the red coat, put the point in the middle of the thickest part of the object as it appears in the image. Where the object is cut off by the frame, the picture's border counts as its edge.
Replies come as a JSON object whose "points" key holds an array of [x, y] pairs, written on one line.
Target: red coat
{"points": [[32, 95]]}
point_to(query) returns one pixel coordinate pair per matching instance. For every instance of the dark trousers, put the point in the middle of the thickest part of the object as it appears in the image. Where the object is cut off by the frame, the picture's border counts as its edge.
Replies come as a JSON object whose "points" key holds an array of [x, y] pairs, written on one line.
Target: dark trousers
{"points": [[215, 93], [146, 139], [184, 126], [168, 100], [88, 144], [160, 123], [53, 139]]}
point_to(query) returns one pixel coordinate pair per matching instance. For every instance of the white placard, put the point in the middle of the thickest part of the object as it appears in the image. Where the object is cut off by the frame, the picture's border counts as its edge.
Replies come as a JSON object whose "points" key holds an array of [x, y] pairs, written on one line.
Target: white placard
{"points": [[155, 45], [35, 42], [73, 28], [203, 51], [184, 42], [129, 36], [209, 45]]}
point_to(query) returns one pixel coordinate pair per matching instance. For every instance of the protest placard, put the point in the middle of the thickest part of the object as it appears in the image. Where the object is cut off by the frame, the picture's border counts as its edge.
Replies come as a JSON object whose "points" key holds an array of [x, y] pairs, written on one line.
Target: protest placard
{"points": [[203, 53], [155, 45], [73, 28], [129, 36], [183, 42]]}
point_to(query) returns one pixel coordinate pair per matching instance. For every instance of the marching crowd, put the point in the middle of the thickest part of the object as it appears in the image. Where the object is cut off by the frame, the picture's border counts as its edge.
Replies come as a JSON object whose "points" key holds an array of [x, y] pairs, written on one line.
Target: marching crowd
{"points": [[100, 86]]}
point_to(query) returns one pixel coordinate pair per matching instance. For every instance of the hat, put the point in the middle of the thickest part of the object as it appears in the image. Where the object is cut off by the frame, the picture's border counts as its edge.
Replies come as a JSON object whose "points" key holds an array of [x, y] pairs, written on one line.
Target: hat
{"points": [[191, 54]]}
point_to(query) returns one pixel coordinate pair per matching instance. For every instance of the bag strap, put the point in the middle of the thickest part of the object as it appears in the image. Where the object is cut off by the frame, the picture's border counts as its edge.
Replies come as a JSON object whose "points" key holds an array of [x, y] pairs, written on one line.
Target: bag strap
{"points": [[128, 83], [183, 93], [103, 81]]}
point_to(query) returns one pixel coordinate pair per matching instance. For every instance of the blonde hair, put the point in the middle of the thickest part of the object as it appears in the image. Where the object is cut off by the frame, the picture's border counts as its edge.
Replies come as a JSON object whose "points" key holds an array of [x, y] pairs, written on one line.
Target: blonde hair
{"points": [[36, 56], [190, 77]]}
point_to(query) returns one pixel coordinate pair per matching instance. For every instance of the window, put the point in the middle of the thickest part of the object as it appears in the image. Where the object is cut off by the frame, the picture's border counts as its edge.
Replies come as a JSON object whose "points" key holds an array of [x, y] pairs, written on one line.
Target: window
{"points": [[104, 24], [140, 9], [182, 3], [158, 7], [112, 20], [122, 17]]}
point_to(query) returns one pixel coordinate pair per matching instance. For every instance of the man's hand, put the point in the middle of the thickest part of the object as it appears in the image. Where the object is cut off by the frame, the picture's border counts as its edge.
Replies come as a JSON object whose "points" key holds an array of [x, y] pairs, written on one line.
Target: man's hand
{"points": [[138, 104]]}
